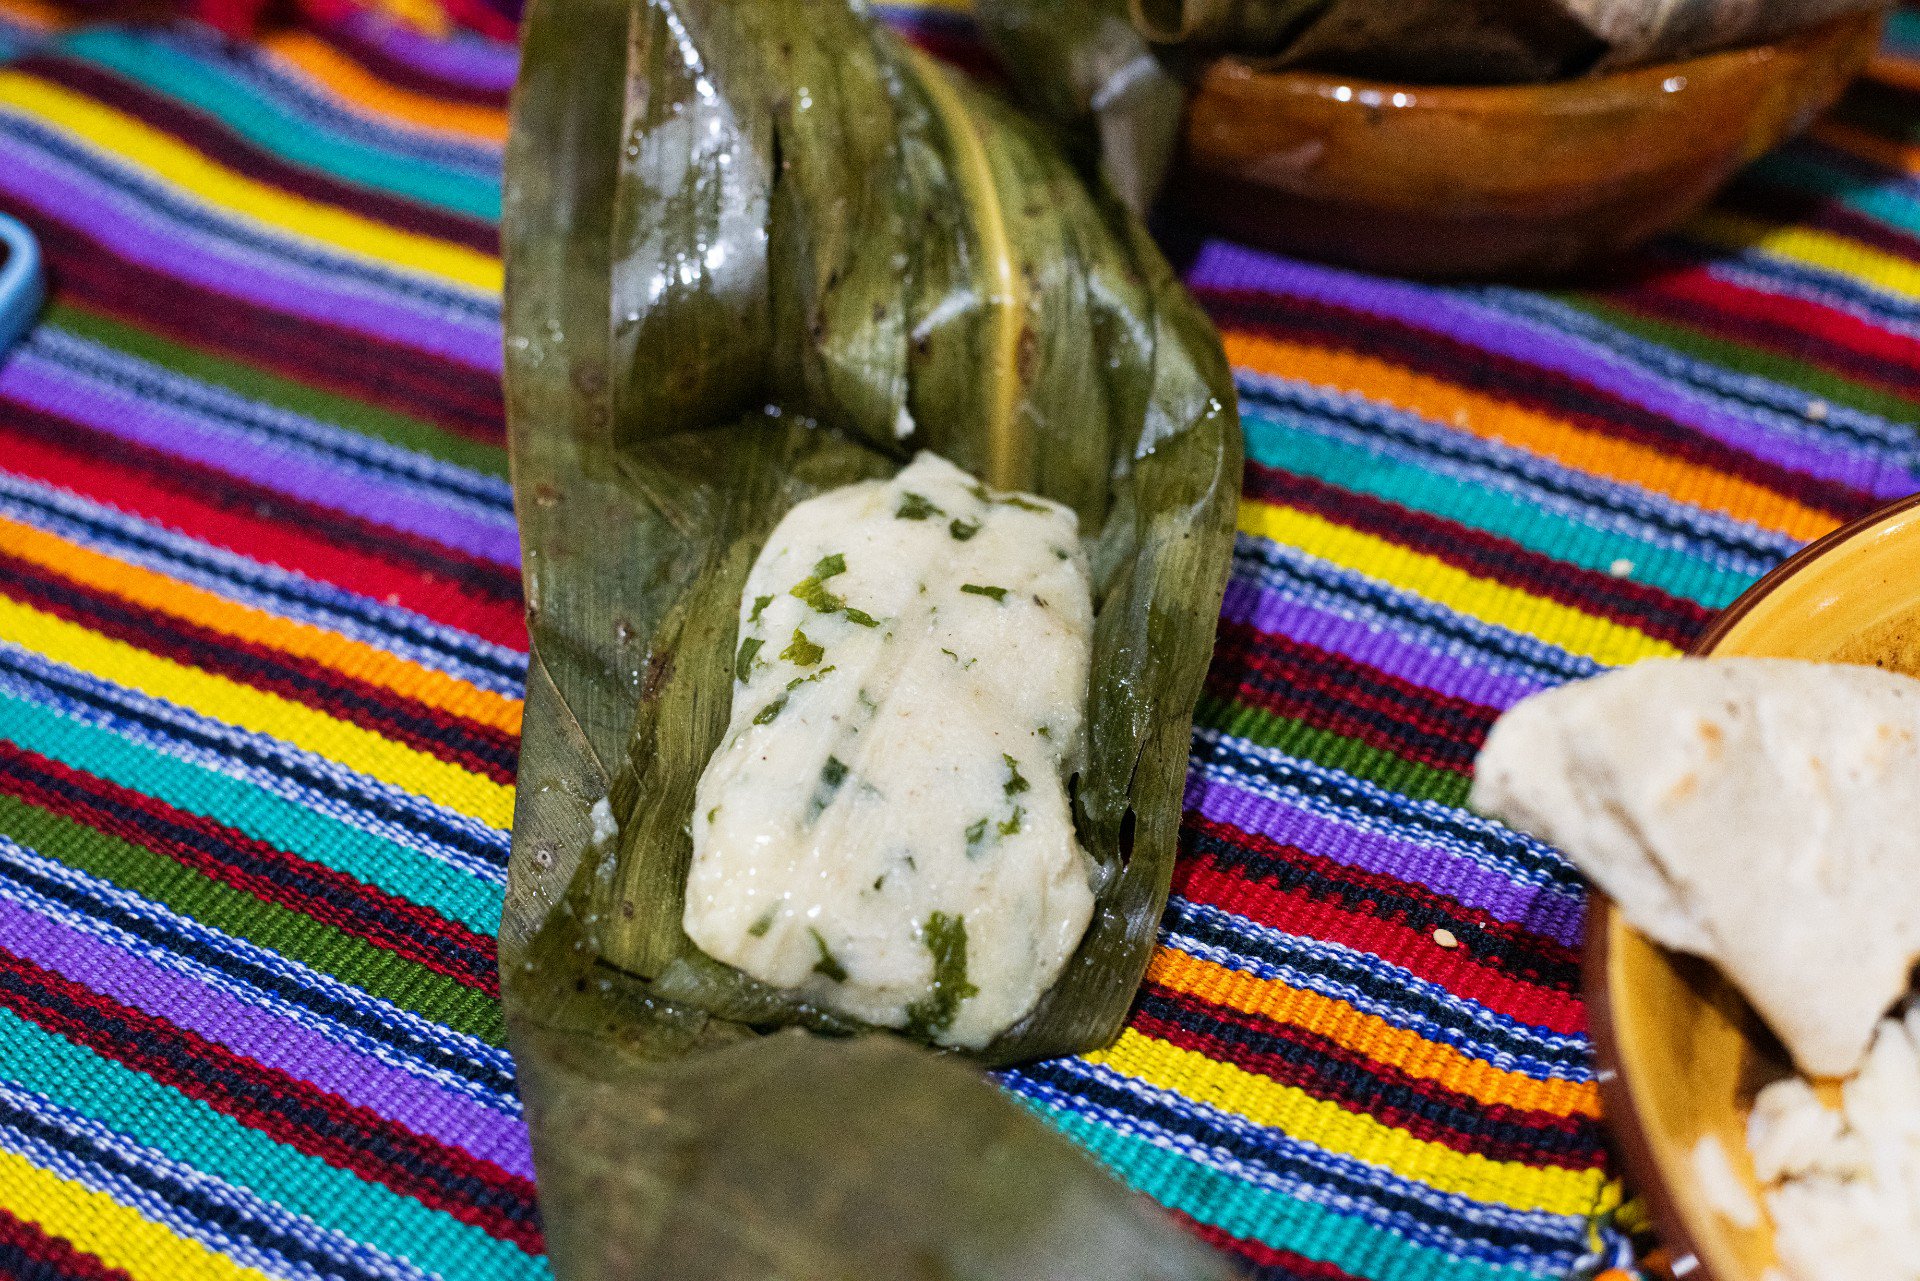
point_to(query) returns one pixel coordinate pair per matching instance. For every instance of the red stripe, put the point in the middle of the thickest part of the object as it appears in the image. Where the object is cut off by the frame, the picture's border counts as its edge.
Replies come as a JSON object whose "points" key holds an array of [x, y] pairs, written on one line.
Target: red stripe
{"points": [[52, 1253], [1507, 944], [1545, 391], [288, 545], [331, 897], [279, 1105], [214, 139], [348, 362], [1331, 693], [1483, 1142], [1795, 327], [1202, 880], [483, 749], [1669, 618], [1272, 1262]]}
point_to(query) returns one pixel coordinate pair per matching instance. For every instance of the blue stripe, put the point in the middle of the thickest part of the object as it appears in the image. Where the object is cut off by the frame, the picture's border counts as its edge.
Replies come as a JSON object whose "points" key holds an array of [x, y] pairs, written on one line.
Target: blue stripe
{"points": [[303, 777], [1309, 580], [1267, 1157], [224, 1218], [271, 121], [400, 632], [319, 1002], [477, 494]]}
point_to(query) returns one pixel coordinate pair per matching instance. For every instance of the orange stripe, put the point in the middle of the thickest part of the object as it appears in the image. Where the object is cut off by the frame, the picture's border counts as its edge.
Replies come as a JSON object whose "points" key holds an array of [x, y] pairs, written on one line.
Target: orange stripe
{"points": [[1894, 71], [1867, 146], [1369, 1035], [1493, 419], [157, 592], [361, 88]]}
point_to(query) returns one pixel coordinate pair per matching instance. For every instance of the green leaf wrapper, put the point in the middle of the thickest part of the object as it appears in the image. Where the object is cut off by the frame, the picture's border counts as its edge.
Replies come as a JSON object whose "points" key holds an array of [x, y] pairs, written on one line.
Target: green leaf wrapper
{"points": [[746, 241]]}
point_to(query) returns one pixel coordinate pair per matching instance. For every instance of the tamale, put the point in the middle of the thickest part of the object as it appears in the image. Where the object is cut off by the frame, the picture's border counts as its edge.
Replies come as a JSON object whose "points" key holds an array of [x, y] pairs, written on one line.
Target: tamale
{"points": [[1084, 66], [1018, 322], [685, 362]]}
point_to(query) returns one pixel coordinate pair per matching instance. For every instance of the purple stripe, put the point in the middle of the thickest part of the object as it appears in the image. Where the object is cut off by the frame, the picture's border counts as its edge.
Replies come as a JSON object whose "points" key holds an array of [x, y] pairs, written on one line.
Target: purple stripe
{"points": [[36, 382], [138, 234], [1247, 602], [1541, 909], [1229, 266], [472, 62], [273, 1042]]}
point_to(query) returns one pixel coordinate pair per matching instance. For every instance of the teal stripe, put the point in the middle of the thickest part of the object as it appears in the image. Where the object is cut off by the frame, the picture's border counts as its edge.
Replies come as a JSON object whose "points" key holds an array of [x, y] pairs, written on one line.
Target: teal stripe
{"points": [[281, 823], [193, 1132], [1257, 1214], [1295, 448], [1880, 201], [1903, 29], [178, 74]]}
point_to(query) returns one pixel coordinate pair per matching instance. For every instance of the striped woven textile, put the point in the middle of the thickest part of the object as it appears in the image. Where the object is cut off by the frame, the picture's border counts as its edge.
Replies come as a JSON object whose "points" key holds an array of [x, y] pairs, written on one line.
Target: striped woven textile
{"points": [[261, 659]]}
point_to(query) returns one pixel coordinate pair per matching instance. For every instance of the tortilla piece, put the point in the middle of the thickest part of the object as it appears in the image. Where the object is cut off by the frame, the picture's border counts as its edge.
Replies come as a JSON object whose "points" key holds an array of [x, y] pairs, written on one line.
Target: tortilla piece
{"points": [[1762, 813]]}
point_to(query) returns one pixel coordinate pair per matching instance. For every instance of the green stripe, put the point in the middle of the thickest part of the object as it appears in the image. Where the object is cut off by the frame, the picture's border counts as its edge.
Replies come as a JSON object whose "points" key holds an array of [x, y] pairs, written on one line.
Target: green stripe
{"points": [[1295, 448], [268, 388], [1335, 751], [1819, 383], [1253, 1213], [281, 823], [195, 1134], [298, 937], [256, 116]]}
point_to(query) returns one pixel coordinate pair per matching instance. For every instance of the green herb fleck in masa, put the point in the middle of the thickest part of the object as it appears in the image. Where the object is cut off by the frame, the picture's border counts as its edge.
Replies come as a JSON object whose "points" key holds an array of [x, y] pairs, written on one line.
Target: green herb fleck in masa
{"points": [[827, 965], [860, 616], [760, 604], [798, 681], [801, 651], [760, 927], [743, 665], [1011, 825], [999, 594], [962, 530], [976, 835], [815, 594], [1044, 731], [916, 507], [765, 715], [1015, 783], [1063, 553], [832, 775], [1024, 504], [946, 938], [827, 566]]}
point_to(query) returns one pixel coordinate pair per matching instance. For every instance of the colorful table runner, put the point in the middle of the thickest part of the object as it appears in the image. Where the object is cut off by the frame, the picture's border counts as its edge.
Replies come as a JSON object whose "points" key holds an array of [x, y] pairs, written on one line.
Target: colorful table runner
{"points": [[261, 658]]}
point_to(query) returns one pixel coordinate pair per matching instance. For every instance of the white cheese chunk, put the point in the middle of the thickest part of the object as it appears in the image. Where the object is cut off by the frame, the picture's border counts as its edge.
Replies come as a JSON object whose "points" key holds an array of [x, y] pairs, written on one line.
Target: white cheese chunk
{"points": [[886, 826]]}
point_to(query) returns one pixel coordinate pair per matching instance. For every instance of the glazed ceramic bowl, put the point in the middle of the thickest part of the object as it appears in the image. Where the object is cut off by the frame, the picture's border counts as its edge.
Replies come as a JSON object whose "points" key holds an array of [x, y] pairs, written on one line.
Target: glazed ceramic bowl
{"points": [[1510, 181], [1681, 1054]]}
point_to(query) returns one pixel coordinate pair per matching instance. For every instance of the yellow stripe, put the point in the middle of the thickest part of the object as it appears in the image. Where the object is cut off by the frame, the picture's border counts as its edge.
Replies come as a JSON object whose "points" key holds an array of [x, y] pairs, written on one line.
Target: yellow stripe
{"points": [[152, 590], [1298, 1114], [1600, 639], [118, 1236], [1820, 249], [142, 147], [248, 708]]}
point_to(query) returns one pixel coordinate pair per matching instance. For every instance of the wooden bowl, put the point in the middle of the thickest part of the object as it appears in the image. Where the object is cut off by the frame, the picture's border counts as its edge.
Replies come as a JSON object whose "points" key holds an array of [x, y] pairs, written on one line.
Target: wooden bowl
{"points": [[1681, 1054], [1499, 181]]}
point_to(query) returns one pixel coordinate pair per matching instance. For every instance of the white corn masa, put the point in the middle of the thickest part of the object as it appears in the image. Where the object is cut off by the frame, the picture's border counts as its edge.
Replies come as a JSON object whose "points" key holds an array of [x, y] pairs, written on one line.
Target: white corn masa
{"points": [[1755, 811], [1843, 1186], [886, 826]]}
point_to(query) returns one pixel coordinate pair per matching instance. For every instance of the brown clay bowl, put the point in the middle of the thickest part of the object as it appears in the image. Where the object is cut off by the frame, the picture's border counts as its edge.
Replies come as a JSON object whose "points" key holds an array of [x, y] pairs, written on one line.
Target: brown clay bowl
{"points": [[1511, 181], [1681, 1054]]}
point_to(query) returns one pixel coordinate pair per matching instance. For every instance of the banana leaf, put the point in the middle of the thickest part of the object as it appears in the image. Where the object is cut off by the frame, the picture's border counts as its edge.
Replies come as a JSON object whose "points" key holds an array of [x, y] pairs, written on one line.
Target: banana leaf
{"points": [[712, 316], [1083, 65]]}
